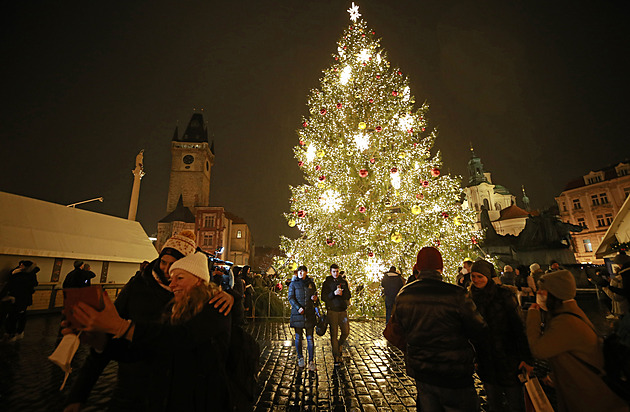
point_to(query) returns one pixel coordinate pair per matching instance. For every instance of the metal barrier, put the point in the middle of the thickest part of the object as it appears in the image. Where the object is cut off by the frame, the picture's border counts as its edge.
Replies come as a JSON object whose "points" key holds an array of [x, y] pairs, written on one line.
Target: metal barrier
{"points": [[269, 293]]}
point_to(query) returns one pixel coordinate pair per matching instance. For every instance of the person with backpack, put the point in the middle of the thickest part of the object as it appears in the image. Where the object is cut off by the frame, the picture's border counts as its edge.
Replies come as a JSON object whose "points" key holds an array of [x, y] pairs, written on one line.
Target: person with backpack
{"points": [[190, 346], [558, 330], [302, 297]]}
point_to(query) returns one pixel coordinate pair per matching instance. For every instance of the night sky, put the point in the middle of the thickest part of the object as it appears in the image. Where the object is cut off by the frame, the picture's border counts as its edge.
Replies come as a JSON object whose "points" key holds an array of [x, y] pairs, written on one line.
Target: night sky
{"points": [[538, 87]]}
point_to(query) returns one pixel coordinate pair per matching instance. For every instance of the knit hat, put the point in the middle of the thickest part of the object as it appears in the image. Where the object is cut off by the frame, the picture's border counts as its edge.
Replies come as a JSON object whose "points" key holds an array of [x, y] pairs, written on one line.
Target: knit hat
{"points": [[483, 267], [196, 264], [561, 284], [534, 267], [429, 258], [183, 242], [78, 263]]}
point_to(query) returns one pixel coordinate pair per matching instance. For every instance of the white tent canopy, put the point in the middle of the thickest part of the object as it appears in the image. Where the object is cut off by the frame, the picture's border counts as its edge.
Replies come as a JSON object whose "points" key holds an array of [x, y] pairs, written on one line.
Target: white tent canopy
{"points": [[31, 227], [619, 231]]}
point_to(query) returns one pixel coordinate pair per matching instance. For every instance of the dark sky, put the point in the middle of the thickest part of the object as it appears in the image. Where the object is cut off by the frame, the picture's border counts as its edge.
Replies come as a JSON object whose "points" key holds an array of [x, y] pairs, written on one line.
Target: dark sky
{"points": [[538, 87]]}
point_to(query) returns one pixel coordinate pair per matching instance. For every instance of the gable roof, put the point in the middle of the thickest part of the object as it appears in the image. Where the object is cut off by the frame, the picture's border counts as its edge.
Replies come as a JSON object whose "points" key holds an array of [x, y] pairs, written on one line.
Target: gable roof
{"points": [[31, 227], [513, 212]]}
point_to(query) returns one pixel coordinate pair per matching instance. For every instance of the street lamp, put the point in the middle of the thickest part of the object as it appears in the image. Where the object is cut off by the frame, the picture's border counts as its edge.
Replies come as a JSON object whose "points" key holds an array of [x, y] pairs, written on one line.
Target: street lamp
{"points": [[100, 199]]}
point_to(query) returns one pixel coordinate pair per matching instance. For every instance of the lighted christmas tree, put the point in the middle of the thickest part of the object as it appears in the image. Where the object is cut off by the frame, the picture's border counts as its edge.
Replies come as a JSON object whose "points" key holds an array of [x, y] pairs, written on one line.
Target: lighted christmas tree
{"points": [[374, 195]]}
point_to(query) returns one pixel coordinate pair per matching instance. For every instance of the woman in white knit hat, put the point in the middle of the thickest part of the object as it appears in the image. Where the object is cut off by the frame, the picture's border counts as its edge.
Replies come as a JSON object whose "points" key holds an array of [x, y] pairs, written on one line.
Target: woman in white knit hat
{"points": [[191, 343]]}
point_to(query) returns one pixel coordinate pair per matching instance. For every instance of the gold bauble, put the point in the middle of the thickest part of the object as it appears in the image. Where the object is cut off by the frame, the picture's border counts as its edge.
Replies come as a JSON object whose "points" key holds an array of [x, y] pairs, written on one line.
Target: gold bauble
{"points": [[402, 155], [415, 209], [321, 185], [362, 125], [292, 266], [291, 222], [396, 237], [458, 220], [320, 153]]}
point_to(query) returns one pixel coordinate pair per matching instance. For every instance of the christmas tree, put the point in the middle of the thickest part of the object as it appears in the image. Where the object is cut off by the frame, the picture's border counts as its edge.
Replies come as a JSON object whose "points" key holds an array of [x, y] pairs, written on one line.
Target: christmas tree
{"points": [[374, 195]]}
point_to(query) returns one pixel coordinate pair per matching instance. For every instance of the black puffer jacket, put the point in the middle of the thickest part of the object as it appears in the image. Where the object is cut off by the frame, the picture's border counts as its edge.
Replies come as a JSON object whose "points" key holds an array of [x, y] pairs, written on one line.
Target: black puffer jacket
{"points": [[300, 296], [508, 342], [21, 285], [337, 303], [439, 322]]}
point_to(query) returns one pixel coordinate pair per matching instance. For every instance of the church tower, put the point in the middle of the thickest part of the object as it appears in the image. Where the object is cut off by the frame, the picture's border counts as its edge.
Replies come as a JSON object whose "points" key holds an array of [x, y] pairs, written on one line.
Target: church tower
{"points": [[191, 165]]}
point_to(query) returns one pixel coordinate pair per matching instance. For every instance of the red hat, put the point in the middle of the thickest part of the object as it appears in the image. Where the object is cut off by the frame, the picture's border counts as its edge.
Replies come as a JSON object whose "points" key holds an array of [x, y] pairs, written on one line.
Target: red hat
{"points": [[429, 258]]}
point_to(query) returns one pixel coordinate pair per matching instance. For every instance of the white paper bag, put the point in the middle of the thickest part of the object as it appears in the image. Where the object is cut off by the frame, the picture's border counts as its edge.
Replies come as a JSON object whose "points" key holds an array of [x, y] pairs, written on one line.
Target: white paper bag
{"points": [[64, 353], [537, 395]]}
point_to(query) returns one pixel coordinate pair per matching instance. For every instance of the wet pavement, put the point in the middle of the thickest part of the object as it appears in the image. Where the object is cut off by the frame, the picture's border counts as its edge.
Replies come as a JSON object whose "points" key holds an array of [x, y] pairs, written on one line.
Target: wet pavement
{"points": [[372, 376]]}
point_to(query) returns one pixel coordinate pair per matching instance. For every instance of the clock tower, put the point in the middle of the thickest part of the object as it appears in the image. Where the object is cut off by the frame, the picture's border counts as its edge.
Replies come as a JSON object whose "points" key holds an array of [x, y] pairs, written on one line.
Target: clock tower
{"points": [[191, 164]]}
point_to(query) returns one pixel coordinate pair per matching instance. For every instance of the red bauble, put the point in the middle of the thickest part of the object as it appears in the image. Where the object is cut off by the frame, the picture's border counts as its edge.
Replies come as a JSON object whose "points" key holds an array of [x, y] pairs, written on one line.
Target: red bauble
{"points": [[322, 178], [365, 64], [378, 128], [336, 69], [301, 213], [394, 170], [363, 35], [336, 58], [345, 47], [339, 105], [419, 196], [362, 209], [322, 111], [300, 164], [304, 124], [371, 100], [394, 93], [410, 131], [330, 242], [371, 254], [444, 215], [373, 32], [301, 142], [372, 160], [435, 172], [318, 167], [399, 73], [424, 128], [425, 183], [474, 240], [363, 173], [415, 144], [378, 76]]}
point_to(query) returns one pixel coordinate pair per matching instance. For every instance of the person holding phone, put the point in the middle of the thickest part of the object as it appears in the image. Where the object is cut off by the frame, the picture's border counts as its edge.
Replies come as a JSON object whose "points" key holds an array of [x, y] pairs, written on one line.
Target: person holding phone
{"points": [[336, 295]]}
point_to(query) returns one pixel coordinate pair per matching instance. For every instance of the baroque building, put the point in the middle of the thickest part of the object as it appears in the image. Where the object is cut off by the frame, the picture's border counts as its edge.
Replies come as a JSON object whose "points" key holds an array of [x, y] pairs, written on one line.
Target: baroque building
{"points": [[188, 204], [592, 201], [480, 192]]}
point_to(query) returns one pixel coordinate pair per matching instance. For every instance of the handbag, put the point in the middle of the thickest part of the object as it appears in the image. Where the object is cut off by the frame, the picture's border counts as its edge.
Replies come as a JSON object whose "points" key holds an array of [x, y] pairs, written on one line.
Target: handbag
{"points": [[395, 334], [535, 397], [321, 322]]}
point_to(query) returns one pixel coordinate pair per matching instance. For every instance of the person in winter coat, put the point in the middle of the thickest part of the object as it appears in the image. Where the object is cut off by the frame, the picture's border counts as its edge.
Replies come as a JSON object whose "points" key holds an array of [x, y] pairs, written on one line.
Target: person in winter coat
{"points": [[392, 282], [78, 278], [558, 330], [302, 297], [190, 346], [526, 287], [18, 293], [439, 321], [143, 299], [535, 272], [509, 351], [336, 295]]}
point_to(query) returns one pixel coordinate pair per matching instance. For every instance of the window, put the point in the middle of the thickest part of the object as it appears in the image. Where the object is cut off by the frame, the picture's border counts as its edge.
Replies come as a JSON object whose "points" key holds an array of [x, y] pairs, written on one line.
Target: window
{"points": [[564, 207], [594, 179], [206, 239], [595, 200], [588, 247], [622, 172], [576, 204], [208, 220], [600, 221], [581, 222], [603, 198], [609, 218], [239, 234]]}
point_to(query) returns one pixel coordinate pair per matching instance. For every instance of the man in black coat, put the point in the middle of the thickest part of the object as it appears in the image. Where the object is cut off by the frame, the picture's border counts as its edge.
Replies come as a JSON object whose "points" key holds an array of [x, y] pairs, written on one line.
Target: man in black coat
{"points": [[17, 295], [392, 282], [439, 322], [78, 278], [336, 295]]}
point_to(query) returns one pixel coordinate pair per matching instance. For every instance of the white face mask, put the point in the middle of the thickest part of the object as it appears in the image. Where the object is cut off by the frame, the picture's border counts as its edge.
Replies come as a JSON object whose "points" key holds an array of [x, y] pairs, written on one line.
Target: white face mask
{"points": [[541, 300]]}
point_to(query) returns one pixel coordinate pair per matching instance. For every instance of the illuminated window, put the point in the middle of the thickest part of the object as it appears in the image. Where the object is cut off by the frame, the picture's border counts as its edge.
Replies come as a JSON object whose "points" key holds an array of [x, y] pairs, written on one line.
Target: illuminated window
{"points": [[588, 247], [576, 204], [239, 234]]}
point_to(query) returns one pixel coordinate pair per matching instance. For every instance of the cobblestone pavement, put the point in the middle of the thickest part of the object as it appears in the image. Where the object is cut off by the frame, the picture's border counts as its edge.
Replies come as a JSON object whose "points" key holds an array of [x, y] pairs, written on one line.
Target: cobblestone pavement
{"points": [[372, 376]]}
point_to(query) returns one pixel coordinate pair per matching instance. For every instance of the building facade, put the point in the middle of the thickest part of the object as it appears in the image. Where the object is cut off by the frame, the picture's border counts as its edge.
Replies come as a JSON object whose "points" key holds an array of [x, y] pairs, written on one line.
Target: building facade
{"points": [[188, 204], [592, 201]]}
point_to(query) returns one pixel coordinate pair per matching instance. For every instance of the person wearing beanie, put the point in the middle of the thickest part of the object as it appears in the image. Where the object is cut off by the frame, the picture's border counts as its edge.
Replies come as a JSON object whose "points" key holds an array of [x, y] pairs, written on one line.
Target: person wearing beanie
{"points": [[391, 283], [78, 277], [439, 321], [508, 351], [144, 298], [535, 272], [189, 348], [569, 341], [302, 297]]}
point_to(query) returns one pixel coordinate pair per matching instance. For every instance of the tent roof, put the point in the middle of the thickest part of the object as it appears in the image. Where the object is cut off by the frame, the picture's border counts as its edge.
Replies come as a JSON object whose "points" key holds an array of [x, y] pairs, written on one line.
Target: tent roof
{"points": [[32, 227], [619, 231]]}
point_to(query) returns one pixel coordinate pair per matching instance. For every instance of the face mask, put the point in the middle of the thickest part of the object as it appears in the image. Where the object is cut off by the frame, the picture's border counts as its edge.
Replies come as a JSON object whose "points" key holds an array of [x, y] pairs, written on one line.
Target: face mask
{"points": [[64, 353], [464, 271], [541, 300]]}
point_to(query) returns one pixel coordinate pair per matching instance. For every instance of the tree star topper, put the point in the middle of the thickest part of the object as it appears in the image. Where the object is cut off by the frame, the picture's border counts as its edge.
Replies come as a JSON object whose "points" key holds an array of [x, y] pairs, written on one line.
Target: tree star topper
{"points": [[354, 12]]}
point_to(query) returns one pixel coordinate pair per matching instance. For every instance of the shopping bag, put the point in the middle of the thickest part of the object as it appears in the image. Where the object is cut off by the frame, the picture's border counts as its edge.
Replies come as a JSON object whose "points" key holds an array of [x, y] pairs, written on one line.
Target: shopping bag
{"points": [[321, 322], [63, 354], [535, 397]]}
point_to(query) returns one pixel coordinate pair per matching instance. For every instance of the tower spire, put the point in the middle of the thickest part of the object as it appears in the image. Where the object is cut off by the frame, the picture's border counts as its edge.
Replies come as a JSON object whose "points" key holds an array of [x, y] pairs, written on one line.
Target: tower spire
{"points": [[525, 199]]}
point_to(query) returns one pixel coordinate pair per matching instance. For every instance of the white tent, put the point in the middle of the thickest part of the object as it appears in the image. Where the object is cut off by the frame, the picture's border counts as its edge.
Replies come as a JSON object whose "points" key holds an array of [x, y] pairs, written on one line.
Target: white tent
{"points": [[619, 231], [31, 227]]}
